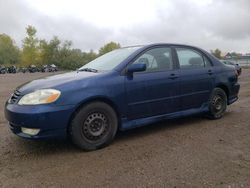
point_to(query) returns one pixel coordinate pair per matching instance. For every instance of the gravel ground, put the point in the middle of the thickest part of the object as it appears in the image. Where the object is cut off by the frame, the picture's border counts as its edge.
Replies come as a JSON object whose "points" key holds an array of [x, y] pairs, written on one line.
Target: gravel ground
{"points": [[189, 152]]}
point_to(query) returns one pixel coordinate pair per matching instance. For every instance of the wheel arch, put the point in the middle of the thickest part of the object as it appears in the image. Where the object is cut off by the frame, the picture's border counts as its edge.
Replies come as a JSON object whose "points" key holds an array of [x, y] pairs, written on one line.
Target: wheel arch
{"points": [[225, 89]]}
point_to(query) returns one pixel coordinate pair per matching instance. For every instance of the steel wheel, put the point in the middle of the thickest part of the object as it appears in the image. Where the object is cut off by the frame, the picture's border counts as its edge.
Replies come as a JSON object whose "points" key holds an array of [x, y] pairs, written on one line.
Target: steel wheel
{"points": [[95, 126], [217, 104]]}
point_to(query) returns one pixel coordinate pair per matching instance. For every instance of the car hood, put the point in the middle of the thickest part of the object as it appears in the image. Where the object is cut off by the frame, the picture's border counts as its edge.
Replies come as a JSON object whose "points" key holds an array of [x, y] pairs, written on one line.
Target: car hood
{"points": [[55, 81]]}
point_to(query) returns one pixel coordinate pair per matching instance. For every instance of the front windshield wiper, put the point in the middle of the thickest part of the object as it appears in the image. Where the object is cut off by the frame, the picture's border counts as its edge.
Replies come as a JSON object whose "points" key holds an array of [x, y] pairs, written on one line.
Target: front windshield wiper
{"points": [[87, 70]]}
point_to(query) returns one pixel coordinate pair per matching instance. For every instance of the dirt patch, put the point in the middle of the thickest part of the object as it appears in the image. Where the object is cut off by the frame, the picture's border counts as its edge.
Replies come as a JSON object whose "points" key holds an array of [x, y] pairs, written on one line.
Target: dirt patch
{"points": [[190, 152]]}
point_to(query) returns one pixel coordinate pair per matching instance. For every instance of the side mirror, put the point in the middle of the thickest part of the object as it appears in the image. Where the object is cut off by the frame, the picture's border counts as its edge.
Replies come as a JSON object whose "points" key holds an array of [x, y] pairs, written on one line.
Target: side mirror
{"points": [[136, 68]]}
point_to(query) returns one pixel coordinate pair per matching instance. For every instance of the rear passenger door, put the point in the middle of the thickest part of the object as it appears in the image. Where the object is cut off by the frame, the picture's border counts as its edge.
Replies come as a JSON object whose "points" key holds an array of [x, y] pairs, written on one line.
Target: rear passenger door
{"points": [[196, 77]]}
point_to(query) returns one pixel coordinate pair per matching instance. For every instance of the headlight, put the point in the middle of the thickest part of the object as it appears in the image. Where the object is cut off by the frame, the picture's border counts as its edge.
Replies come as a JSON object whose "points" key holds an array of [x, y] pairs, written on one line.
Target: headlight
{"points": [[43, 96]]}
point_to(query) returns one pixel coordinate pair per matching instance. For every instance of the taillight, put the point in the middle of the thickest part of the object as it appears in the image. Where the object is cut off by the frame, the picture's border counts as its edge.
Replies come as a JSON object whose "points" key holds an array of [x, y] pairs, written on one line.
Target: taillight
{"points": [[236, 73]]}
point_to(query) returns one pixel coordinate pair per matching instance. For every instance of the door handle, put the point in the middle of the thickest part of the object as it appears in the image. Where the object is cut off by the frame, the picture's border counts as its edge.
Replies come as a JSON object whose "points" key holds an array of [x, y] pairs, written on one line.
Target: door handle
{"points": [[210, 72], [173, 76]]}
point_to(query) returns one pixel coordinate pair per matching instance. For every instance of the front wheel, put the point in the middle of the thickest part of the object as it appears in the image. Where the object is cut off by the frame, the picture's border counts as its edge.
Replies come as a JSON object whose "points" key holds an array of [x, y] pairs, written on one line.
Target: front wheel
{"points": [[217, 103], [94, 126]]}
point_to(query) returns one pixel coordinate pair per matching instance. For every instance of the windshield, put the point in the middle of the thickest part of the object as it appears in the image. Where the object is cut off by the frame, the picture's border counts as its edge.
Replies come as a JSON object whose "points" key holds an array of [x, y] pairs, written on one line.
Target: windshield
{"points": [[109, 60]]}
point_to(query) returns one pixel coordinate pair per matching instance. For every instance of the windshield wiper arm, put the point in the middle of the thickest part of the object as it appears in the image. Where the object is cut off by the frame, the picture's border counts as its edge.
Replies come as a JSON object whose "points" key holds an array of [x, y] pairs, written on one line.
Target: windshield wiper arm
{"points": [[87, 70]]}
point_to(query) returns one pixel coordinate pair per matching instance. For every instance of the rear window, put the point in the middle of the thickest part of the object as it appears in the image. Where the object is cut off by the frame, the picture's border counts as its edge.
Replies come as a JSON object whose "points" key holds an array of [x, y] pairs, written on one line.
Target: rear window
{"points": [[189, 59]]}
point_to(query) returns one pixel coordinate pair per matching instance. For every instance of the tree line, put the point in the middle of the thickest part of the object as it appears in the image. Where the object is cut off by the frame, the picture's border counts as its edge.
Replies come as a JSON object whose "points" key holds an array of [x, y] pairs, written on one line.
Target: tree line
{"points": [[217, 53], [40, 52]]}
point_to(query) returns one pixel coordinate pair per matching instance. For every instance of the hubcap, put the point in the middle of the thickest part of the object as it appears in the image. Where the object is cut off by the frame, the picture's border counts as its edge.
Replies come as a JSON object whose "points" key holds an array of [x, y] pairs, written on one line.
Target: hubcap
{"points": [[95, 126], [217, 103]]}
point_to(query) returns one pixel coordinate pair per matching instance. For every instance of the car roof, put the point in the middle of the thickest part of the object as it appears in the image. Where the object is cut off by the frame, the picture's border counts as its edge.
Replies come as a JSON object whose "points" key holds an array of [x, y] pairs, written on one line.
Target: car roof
{"points": [[161, 44]]}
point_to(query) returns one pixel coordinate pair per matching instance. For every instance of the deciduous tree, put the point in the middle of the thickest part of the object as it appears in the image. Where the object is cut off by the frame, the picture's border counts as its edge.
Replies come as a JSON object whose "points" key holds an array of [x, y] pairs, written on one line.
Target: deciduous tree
{"points": [[216, 53], [9, 52], [48, 51], [30, 53], [109, 47]]}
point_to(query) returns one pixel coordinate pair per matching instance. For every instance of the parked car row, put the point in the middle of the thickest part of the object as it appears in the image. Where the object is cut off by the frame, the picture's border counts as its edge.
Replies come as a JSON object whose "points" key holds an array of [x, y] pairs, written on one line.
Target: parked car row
{"points": [[31, 69], [11, 69]]}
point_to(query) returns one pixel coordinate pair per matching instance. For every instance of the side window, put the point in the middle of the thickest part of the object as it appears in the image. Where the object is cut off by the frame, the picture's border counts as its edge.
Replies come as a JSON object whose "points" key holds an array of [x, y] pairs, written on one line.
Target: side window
{"points": [[207, 62], [157, 59], [190, 59]]}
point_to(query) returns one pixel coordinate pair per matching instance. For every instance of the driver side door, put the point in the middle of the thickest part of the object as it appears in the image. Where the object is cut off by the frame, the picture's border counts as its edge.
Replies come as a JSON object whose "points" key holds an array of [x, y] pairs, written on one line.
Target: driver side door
{"points": [[154, 91]]}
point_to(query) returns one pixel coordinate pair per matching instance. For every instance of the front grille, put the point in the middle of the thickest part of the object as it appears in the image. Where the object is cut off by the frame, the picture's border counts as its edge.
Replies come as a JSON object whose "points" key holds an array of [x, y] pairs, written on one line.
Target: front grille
{"points": [[15, 97]]}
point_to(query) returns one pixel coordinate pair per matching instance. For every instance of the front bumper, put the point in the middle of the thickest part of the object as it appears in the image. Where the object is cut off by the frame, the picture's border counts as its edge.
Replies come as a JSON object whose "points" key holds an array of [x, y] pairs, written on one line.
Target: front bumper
{"points": [[51, 120]]}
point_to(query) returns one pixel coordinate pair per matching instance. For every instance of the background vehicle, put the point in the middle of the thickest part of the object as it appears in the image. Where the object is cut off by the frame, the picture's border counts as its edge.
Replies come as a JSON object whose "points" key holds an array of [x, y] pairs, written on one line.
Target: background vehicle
{"points": [[49, 68], [52, 68], [123, 89], [237, 66], [44, 68], [2, 69], [23, 69], [12, 69], [32, 69]]}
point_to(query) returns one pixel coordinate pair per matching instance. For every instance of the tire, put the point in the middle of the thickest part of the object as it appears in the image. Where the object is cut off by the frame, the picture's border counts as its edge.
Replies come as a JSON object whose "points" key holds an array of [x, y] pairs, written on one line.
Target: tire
{"points": [[217, 104], [94, 126]]}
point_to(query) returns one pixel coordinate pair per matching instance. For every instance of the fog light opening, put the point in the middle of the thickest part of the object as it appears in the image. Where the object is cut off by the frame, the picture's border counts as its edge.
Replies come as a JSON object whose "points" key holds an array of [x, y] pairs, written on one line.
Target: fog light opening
{"points": [[29, 131]]}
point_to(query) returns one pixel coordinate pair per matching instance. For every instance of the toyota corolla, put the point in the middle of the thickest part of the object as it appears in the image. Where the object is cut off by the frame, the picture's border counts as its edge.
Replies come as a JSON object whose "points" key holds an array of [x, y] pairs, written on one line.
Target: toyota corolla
{"points": [[123, 89]]}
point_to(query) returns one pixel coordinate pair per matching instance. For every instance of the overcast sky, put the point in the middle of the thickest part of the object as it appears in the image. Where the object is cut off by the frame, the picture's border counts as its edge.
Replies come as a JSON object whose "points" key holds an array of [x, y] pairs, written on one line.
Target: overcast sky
{"points": [[209, 24]]}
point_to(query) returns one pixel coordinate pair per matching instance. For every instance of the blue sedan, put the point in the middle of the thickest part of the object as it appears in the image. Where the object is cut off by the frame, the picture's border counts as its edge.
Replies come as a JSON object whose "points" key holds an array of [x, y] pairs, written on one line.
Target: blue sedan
{"points": [[123, 89]]}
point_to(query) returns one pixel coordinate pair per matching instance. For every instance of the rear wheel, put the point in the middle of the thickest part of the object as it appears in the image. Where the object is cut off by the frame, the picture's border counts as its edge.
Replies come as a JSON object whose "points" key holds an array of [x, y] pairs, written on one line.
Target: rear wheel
{"points": [[217, 103], [94, 126]]}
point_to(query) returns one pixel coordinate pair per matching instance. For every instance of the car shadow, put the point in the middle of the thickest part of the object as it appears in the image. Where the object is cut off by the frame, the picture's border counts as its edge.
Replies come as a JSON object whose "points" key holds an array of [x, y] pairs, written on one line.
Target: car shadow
{"points": [[159, 127], [53, 146]]}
